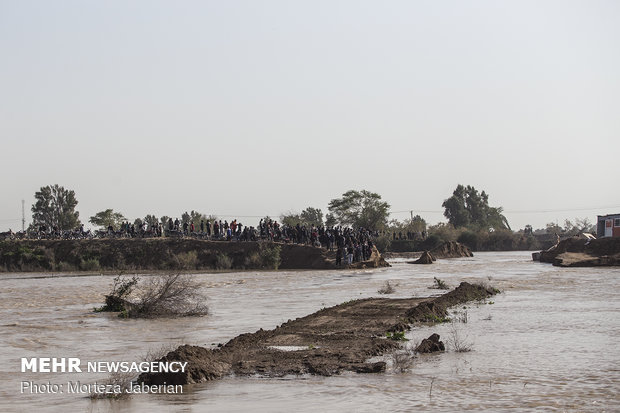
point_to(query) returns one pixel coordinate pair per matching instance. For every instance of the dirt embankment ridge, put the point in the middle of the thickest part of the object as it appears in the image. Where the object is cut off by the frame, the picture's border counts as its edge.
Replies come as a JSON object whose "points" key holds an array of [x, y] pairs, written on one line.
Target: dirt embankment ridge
{"points": [[578, 252], [451, 249], [332, 340], [172, 254], [157, 254]]}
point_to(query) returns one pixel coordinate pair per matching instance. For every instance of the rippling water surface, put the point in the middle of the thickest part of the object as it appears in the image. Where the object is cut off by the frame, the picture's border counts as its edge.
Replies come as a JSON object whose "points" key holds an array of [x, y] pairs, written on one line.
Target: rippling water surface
{"points": [[549, 342]]}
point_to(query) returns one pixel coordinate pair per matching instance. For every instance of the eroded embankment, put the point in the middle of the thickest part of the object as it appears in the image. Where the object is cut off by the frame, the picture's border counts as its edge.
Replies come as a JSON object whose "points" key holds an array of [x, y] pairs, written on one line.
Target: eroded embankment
{"points": [[332, 340], [171, 254], [158, 254], [578, 252]]}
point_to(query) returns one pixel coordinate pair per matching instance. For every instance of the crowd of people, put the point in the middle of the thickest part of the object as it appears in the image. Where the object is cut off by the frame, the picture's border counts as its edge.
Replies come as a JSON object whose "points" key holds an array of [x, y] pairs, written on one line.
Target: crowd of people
{"points": [[351, 245]]}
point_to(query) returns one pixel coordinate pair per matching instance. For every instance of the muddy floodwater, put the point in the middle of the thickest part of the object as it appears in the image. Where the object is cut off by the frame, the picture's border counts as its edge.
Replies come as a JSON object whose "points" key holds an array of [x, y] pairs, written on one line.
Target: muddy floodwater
{"points": [[549, 342]]}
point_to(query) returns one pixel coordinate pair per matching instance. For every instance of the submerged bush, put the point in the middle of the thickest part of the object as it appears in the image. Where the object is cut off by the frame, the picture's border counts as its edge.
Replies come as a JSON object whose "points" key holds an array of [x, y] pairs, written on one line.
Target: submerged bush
{"points": [[440, 285], [459, 340], [403, 358], [166, 295], [169, 295], [387, 288], [121, 289]]}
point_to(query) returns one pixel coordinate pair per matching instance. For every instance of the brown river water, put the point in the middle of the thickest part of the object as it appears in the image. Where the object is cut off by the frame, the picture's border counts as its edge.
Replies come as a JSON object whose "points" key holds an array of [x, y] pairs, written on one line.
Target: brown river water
{"points": [[549, 342]]}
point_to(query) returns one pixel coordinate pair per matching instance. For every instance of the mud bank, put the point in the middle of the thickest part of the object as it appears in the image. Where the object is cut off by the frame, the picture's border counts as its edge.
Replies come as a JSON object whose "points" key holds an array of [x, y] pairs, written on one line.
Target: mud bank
{"points": [[577, 252], [330, 341], [158, 254], [451, 249]]}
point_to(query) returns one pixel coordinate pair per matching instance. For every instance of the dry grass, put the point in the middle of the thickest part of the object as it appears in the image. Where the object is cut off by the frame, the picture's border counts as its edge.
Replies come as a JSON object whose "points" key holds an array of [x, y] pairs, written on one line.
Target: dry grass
{"points": [[402, 360], [458, 340]]}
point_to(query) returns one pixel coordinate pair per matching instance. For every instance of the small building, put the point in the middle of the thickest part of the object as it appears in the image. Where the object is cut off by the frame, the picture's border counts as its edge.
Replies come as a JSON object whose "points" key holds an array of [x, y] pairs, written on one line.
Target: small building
{"points": [[608, 226]]}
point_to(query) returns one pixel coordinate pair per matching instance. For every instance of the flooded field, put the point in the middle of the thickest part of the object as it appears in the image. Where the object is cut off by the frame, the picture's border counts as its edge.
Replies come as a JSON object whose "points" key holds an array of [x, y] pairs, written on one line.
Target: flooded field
{"points": [[548, 342]]}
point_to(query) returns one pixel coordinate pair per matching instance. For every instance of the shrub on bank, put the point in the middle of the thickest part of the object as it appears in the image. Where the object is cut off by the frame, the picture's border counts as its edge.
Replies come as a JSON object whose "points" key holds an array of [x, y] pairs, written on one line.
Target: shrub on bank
{"points": [[476, 240], [18, 256], [432, 241], [270, 257], [186, 260], [470, 239], [403, 245], [222, 261], [383, 243], [90, 264]]}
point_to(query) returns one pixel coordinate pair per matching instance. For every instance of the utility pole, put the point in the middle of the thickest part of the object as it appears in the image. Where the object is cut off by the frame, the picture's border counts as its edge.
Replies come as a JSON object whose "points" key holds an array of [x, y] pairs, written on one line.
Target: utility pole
{"points": [[23, 216]]}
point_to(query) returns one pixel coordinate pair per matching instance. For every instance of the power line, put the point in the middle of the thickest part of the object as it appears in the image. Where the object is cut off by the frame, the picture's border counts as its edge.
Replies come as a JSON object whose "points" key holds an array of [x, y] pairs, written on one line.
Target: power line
{"points": [[542, 211], [531, 211], [416, 211], [408, 211]]}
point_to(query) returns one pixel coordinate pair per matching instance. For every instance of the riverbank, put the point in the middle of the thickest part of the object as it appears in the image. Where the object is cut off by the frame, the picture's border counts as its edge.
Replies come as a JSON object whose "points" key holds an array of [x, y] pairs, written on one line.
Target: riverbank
{"points": [[579, 252], [164, 254]]}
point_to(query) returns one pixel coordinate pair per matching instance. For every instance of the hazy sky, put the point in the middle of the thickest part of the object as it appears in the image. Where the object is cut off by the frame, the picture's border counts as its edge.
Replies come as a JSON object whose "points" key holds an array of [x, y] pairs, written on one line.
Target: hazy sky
{"points": [[248, 108]]}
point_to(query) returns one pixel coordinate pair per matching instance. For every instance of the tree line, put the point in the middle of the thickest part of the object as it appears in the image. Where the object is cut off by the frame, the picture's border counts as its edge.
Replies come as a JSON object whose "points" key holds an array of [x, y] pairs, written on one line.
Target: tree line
{"points": [[468, 212]]}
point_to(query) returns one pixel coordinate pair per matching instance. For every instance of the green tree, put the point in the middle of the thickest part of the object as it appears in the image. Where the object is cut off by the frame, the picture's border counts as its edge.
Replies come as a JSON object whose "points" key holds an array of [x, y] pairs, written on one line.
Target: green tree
{"points": [[415, 224], [138, 223], [585, 225], [55, 206], [193, 216], [312, 216], [468, 208], [309, 217], [106, 218], [553, 228], [186, 217], [290, 218], [151, 220], [580, 225], [330, 220], [456, 208], [360, 209]]}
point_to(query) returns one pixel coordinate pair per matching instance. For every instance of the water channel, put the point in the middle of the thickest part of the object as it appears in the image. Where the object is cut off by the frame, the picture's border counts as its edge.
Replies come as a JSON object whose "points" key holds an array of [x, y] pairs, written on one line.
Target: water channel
{"points": [[548, 342]]}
